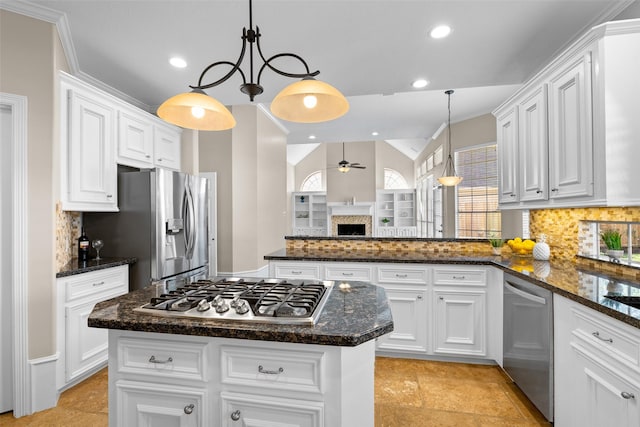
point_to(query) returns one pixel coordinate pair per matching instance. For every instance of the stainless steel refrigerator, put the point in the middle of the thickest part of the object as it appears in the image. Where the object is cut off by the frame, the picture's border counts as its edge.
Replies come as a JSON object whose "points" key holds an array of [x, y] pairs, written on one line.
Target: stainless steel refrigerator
{"points": [[163, 222]]}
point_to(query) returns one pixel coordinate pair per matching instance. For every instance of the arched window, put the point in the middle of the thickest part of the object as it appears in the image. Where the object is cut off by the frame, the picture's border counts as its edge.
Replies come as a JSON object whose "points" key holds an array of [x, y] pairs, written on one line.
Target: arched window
{"points": [[393, 180], [313, 182]]}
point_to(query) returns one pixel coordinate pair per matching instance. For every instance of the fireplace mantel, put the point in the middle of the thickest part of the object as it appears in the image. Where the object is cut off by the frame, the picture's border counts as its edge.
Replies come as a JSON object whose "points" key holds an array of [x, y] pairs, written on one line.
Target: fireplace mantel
{"points": [[364, 208]]}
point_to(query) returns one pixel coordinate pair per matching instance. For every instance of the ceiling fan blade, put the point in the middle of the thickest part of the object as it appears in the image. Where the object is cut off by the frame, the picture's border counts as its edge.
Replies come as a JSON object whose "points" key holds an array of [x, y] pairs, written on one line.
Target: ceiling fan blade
{"points": [[358, 166]]}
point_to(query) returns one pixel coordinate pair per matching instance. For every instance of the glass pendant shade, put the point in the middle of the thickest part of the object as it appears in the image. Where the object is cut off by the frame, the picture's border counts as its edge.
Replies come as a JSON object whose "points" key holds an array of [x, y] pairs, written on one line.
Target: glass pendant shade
{"points": [[449, 181], [196, 110], [309, 101]]}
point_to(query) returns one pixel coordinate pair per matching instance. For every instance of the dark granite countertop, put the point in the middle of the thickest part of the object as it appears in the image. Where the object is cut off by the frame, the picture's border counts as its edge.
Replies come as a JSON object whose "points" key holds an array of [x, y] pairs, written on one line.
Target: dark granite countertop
{"points": [[348, 319], [74, 267], [562, 277]]}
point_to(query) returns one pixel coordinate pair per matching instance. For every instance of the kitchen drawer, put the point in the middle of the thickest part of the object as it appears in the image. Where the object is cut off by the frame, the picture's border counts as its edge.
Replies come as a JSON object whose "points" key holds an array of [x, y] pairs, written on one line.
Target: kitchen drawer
{"points": [[246, 410], [607, 335], [348, 272], [93, 284], [303, 270], [276, 369], [402, 274], [460, 276], [174, 359]]}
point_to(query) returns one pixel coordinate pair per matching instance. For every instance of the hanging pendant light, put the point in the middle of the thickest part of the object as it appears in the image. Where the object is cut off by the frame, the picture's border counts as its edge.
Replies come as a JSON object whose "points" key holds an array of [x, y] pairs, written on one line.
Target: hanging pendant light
{"points": [[306, 101], [449, 177]]}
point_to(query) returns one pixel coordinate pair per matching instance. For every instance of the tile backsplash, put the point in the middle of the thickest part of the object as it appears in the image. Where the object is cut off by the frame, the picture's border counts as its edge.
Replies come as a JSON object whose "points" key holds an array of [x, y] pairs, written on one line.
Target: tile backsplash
{"points": [[67, 233]]}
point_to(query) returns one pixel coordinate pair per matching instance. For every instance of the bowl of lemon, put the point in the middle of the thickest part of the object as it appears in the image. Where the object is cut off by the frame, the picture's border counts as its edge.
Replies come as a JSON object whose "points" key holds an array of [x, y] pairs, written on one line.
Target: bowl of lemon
{"points": [[521, 247]]}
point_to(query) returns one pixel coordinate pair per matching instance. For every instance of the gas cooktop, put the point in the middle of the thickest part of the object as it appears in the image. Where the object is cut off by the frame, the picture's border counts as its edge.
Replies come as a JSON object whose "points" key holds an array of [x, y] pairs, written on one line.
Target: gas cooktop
{"points": [[245, 300]]}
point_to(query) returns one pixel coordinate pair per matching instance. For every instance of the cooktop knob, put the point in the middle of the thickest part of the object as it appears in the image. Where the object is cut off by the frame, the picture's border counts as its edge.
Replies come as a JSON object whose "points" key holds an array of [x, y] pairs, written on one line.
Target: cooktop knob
{"points": [[241, 306], [220, 305], [203, 305]]}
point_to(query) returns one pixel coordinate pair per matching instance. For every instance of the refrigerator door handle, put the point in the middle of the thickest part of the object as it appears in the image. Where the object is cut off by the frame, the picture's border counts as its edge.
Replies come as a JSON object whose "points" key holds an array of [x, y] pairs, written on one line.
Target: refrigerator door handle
{"points": [[189, 228]]}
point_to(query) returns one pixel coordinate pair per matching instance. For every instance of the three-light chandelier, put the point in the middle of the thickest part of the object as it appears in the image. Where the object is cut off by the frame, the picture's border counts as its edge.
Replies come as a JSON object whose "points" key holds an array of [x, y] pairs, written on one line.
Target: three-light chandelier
{"points": [[305, 101]]}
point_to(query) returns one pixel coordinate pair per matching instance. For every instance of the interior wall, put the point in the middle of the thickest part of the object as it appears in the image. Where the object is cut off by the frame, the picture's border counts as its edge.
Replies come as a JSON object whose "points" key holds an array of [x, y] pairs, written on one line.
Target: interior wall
{"points": [[215, 156], [357, 183], [388, 156], [27, 68], [314, 161]]}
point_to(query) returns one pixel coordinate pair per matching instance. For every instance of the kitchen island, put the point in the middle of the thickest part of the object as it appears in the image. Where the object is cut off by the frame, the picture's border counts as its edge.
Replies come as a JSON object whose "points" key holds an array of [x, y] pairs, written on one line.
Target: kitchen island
{"points": [[205, 372]]}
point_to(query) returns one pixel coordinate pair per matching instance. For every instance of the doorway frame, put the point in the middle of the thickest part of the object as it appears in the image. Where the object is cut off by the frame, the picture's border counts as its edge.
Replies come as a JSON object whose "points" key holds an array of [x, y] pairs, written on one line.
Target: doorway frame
{"points": [[19, 271]]}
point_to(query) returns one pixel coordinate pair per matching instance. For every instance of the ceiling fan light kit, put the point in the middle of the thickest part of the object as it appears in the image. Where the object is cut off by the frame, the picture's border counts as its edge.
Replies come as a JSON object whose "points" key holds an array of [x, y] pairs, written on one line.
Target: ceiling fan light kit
{"points": [[305, 101], [344, 166], [449, 177]]}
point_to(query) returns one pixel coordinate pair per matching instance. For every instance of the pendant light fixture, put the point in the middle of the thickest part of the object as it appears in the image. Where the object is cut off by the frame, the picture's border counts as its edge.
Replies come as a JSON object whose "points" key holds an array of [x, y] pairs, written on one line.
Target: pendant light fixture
{"points": [[449, 177], [305, 101]]}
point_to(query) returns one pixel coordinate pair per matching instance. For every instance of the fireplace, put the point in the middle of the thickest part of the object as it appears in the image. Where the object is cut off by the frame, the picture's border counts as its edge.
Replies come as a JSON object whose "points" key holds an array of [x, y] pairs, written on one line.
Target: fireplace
{"points": [[352, 229]]}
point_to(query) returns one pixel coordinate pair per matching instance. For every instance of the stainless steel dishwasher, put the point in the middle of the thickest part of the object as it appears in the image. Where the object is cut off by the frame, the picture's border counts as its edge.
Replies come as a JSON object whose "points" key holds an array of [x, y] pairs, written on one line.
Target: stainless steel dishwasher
{"points": [[528, 340]]}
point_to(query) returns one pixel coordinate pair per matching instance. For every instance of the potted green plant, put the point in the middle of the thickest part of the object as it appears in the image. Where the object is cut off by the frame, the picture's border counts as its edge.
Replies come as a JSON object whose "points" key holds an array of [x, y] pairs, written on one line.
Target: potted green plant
{"points": [[613, 240], [385, 221], [496, 245]]}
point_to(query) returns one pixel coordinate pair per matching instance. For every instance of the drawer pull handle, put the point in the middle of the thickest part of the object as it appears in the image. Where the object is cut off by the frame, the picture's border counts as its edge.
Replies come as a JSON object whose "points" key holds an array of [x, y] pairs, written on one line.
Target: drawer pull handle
{"points": [[296, 272], [235, 415], [189, 409], [99, 283], [153, 359], [401, 276], [458, 277], [264, 371], [109, 196], [597, 335], [627, 395], [344, 273]]}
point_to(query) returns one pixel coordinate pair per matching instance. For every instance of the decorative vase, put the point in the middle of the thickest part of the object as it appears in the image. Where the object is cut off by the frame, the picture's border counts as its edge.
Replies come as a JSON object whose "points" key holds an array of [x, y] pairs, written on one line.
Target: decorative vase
{"points": [[496, 250], [541, 250]]}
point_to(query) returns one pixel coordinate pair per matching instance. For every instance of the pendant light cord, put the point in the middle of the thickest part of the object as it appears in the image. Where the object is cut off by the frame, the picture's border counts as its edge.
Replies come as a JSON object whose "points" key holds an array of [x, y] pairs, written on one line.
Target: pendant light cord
{"points": [[449, 164]]}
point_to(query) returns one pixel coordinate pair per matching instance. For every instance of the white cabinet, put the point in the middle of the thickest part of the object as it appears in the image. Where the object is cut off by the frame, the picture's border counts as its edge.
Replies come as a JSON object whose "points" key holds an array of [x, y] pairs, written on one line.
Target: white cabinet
{"points": [[309, 213], [295, 270], [84, 349], [570, 131], [398, 208], [88, 143], [179, 380], [459, 311], [409, 309], [575, 126], [166, 146], [135, 139], [597, 375]]}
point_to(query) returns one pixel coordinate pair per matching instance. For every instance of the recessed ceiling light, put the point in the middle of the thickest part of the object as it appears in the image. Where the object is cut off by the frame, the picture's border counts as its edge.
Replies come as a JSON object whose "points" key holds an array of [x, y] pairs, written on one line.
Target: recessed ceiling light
{"points": [[420, 83], [312, 137], [178, 62], [374, 133], [441, 31]]}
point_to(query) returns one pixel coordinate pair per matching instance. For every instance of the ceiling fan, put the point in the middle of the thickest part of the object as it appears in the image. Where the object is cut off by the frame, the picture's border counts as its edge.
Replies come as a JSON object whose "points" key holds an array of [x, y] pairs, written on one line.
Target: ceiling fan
{"points": [[344, 166]]}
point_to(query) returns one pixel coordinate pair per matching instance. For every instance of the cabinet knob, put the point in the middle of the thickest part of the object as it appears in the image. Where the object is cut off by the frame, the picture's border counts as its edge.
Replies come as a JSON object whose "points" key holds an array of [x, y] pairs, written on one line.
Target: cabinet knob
{"points": [[627, 395], [109, 196], [538, 191], [235, 415], [512, 195], [147, 156], [441, 298], [189, 409], [554, 189], [419, 296], [160, 159]]}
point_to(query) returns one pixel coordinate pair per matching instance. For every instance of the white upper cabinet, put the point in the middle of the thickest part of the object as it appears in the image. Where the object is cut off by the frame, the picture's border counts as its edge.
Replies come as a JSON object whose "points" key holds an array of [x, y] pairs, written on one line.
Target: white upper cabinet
{"points": [[568, 138], [98, 132], [89, 176]]}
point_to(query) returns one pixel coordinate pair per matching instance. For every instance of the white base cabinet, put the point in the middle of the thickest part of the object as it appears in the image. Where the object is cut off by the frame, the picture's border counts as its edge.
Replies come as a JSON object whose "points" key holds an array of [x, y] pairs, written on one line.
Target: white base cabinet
{"points": [[597, 375], [448, 311], [82, 349], [178, 380]]}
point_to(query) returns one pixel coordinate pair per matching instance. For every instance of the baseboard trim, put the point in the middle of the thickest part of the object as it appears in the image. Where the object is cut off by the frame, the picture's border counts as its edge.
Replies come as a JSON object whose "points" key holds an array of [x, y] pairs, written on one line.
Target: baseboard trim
{"points": [[44, 393]]}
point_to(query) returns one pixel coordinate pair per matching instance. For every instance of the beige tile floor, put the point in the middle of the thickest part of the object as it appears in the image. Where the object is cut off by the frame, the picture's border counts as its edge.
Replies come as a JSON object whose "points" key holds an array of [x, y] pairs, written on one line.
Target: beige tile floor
{"points": [[408, 393]]}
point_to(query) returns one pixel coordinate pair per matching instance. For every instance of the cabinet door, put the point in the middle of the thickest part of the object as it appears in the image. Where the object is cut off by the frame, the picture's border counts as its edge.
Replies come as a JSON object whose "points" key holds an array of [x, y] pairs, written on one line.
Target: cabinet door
{"points": [[460, 322], [262, 411], [604, 397], [166, 147], [409, 310], [86, 347], [533, 146], [507, 128], [570, 133], [135, 140], [150, 405], [92, 177]]}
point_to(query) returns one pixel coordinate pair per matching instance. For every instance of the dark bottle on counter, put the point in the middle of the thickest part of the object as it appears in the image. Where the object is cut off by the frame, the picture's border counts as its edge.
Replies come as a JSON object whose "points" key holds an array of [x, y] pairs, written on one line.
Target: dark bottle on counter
{"points": [[83, 247]]}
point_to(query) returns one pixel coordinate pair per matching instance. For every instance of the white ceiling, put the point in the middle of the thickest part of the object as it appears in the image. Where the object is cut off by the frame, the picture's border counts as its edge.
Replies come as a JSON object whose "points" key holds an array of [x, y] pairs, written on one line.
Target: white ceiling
{"points": [[370, 50]]}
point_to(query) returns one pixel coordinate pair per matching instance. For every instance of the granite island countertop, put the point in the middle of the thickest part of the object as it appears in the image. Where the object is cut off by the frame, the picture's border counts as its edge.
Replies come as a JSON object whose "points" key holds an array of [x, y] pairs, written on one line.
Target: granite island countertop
{"points": [[349, 318], [74, 267], [562, 277]]}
